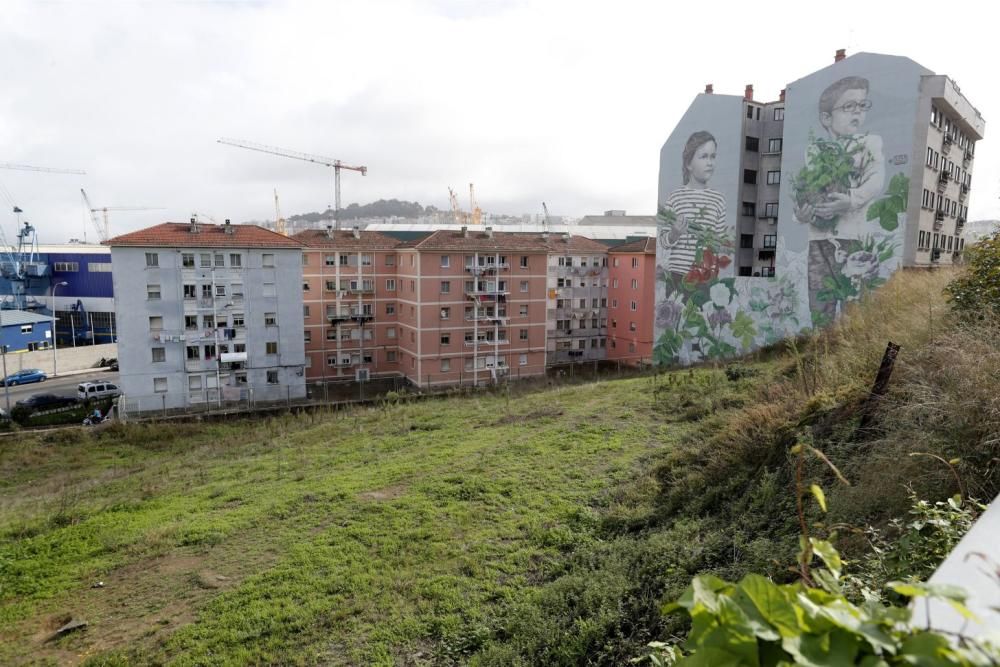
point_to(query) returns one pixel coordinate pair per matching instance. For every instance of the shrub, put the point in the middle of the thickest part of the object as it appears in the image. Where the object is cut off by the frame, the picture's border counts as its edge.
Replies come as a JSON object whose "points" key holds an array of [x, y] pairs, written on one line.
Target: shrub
{"points": [[977, 291]]}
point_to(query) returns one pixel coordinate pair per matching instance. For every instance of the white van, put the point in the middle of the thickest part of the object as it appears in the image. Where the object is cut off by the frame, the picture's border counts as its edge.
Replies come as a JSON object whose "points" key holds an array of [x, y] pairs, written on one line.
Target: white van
{"points": [[97, 390]]}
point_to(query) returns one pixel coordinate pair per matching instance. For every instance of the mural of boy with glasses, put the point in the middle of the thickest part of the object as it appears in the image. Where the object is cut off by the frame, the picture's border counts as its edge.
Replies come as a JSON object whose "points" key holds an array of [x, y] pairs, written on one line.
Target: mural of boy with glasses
{"points": [[844, 172]]}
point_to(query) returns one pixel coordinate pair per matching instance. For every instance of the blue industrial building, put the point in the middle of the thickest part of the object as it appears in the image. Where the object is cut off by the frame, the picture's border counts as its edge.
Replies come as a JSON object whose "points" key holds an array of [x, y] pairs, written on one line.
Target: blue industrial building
{"points": [[79, 275], [23, 331]]}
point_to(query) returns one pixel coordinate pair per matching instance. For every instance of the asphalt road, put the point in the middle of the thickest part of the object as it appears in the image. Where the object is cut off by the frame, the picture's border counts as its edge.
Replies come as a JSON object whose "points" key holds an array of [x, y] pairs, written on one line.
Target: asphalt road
{"points": [[61, 386]]}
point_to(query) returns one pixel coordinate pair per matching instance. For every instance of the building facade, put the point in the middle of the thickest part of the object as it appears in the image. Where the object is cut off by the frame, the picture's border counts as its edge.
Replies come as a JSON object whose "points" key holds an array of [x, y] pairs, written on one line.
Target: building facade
{"points": [[24, 331], [632, 274], [208, 313], [349, 290], [577, 316], [773, 216]]}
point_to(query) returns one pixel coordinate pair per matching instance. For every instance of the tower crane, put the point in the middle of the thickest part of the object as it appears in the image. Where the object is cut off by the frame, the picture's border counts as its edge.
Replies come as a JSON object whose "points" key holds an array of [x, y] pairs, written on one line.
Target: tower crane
{"points": [[476, 213], [279, 222], [50, 170], [456, 212], [545, 221], [307, 157], [104, 231]]}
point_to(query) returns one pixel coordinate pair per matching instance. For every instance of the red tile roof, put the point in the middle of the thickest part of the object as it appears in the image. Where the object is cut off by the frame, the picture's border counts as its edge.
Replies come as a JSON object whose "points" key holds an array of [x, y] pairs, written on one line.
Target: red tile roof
{"points": [[179, 235], [646, 245], [345, 239], [522, 241]]}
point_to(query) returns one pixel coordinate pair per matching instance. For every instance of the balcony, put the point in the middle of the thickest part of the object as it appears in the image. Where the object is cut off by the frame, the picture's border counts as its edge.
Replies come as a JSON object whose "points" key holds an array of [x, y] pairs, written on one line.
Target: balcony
{"points": [[943, 180], [350, 318], [484, 342], [959, 223], [480, 269], [486, 291], [967, 158], [946, 144], [198, 365]]}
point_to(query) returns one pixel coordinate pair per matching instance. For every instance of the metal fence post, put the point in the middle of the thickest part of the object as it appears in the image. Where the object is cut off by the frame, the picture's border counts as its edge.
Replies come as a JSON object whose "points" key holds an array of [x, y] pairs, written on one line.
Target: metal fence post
{"points": [[288, 395], [163, 398]]}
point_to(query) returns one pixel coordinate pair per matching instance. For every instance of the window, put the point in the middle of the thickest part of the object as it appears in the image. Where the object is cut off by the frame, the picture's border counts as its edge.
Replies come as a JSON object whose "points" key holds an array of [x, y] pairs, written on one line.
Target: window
{"points": [[445, 365], [523, 310], [267, 289], [152, 292], [773, 177], [523, 334], [205, 260], [583, 303], [192, 352], [209, 352], [156, 323], [750, 112], [305, 287], [271, 347], [614, 283], [270, 319], [66, 267], [153, 260], [445, 261], [635, 262], [614, 303], [343, 259], [305, 310], [194, 383], [220, 290], [367, 259], [445, 286], [267, 260], [235, 260], [206, 291], [220, 260], [190, 321], [160, 385], [26, 328], [633, 306], [524, 261], [750, 176], [390, 309], [749, 208], [446, 313], [307, 336], [208, 321], [635, 283], [746, 240], [631, 326], [187, 260], [524, 285], [272, 377], [390, 285], [771, 209], [753, 144], [390, 355], [446, 339], [774, 146], [779, 113], [237, 291], [238, 320]]}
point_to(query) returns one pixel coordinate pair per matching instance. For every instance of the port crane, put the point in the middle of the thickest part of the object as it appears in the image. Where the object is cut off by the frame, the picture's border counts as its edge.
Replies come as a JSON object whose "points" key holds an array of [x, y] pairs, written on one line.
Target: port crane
{"points": [[104, 231], [322, 160], [475, 213]]}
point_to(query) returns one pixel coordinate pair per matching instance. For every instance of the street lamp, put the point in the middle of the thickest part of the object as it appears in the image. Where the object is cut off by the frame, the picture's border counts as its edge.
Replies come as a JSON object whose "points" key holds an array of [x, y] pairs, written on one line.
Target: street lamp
{"points": [[55, 320]]}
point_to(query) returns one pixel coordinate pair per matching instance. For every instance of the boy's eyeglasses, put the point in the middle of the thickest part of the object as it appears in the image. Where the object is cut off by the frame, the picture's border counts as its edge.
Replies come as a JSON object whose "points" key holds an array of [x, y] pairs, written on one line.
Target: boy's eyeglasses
{"points": [[851, 107]]}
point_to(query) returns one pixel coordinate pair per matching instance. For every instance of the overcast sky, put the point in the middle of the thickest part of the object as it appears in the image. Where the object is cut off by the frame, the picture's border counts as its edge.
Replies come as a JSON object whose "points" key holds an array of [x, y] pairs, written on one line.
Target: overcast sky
{"points": [[566, 102]]}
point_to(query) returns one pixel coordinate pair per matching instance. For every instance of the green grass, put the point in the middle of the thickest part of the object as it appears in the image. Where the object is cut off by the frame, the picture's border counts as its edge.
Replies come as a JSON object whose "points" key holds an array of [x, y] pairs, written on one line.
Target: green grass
{"points": [[376, 536]]}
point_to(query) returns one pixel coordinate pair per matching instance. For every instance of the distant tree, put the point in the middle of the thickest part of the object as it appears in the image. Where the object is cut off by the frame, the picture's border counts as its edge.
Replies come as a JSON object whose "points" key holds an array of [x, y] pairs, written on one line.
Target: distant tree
{"points": [[383, 208], [976, 293]]}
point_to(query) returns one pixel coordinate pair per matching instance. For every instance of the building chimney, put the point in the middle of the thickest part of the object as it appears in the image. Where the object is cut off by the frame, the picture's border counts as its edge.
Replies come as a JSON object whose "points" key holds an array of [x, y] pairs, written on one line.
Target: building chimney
{"points": [[357, 232], [840, 55], [194, 226], [228, 228], [465, 232], [748, 93], [329, 231], [565, 236], [708, 89], [489, 232], [781, 95], [545, 236]]}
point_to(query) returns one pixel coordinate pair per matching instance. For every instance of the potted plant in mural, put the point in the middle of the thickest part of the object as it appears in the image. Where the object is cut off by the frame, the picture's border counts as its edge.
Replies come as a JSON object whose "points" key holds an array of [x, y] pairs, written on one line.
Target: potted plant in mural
{"points": [[832, 168], [888, 209]]}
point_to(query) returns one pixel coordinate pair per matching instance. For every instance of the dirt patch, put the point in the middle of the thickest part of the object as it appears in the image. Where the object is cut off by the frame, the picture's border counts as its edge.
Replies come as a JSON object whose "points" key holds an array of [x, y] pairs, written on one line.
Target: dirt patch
{"points": [[388, 493]]}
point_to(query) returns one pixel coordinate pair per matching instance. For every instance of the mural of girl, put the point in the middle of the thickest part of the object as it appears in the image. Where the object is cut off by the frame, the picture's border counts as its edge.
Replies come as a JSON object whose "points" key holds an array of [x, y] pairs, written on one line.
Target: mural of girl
{"points": [[696, 246]]}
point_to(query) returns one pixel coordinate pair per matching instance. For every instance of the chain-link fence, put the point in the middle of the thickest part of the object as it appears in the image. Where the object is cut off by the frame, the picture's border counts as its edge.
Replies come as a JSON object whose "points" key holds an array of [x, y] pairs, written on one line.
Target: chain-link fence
{"points": [[247, 398]]}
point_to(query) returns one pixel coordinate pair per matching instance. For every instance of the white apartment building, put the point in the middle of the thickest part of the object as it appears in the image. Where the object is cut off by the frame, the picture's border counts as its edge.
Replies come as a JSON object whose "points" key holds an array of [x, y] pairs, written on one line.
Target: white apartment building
{"points": [[208, 313], [577, 316]]}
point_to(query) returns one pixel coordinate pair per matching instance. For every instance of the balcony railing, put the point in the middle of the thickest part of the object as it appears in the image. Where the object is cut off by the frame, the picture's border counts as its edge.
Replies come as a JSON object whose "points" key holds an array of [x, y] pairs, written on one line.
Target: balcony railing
{"points": [[478, 269]]}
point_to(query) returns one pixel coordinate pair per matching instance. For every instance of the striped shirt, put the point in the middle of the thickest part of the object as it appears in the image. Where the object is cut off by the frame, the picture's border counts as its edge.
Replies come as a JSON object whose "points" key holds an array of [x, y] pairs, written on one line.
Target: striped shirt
{"points": [[704, 209]]}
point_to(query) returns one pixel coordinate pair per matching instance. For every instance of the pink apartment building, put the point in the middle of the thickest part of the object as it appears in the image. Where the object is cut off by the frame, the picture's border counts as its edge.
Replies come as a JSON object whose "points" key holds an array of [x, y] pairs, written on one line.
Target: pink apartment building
{"points": [[472, 306], [631, 292], [349, 296]]}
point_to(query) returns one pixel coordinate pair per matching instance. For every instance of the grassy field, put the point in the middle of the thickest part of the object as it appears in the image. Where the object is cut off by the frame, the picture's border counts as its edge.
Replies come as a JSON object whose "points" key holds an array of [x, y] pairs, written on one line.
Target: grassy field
{"points": [[392, 535]]}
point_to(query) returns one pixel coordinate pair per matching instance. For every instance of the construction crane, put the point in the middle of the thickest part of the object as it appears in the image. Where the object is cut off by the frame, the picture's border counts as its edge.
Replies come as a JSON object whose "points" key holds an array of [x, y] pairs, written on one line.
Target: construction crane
{"points": [[545, 221], [456, 212], [50, 170], [307, 157], [279, 222], [104, 231], [476, 213]]}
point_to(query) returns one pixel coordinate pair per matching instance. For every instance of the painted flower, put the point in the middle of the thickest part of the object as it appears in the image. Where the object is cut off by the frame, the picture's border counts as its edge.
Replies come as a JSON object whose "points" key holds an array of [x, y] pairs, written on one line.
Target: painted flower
{"points": [[719, 318], [668, 314], [720, 295], [862, 265]]}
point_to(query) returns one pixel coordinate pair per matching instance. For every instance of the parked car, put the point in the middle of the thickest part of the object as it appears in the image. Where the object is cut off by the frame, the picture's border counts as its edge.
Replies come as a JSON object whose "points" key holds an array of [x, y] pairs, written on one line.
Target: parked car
{"points": [[26, 376], [46, 401], [97, 390]]}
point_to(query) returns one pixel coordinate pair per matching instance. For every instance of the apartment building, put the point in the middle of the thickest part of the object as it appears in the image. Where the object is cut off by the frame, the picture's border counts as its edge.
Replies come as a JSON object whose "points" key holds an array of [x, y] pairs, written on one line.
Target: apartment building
{"points": [[577, 315], [349, 300], [631, 297], [471, 306], [773, 215], [208, 313]]}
